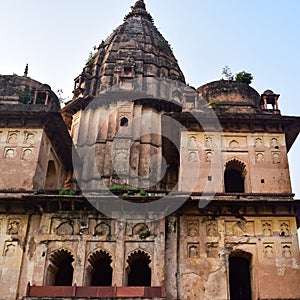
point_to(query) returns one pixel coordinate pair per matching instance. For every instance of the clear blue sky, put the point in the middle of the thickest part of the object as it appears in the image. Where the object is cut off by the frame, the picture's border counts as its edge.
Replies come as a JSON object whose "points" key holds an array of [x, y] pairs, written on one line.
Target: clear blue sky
{"points": [[259, 36]]}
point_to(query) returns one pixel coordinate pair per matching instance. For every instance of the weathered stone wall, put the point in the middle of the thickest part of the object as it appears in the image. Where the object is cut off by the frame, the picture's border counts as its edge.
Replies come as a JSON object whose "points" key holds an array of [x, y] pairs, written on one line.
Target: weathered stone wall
{"points": [[120, 154], [204, 156], [206, 244], [24, 156], [82, 235]]}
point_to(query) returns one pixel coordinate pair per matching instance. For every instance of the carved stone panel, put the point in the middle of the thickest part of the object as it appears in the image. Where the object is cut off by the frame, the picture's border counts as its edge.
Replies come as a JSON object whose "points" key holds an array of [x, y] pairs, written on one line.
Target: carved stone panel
{"points": [[13, 227], [10, 249], [212, 228], [212, 250], [102, 229], [240, 228], [284, 227], [193, 250], [192, 228], [286, 249], [9, 153], [26, 154], [65, 228], [12, 137], [268, 250], [267, 228]]}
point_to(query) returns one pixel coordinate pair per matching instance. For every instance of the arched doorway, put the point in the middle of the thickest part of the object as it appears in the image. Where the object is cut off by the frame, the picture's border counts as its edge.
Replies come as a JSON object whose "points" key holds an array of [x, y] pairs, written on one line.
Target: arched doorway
{"points": [[234, 177], [138, 270], [100, 271], [240, 276], [60, 270], [51, 177]]}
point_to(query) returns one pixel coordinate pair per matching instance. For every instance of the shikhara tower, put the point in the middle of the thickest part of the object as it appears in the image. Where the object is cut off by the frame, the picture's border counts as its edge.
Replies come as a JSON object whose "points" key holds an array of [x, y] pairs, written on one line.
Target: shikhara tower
{"points": [[221, 148]]}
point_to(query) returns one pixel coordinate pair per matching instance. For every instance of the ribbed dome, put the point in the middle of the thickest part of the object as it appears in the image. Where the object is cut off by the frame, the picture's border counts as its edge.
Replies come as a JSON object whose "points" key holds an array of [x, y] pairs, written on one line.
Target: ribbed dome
{"points": [[136, 49]]}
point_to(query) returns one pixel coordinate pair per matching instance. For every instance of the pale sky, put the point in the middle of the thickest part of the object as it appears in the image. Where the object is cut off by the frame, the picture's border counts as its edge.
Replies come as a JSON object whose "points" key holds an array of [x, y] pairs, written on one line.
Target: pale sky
{"points": [[258, 36]]}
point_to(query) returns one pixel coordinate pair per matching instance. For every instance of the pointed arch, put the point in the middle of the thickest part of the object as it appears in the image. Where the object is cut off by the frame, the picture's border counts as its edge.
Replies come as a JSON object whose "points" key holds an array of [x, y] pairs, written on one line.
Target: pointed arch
{"points": [[138, 270], [60, 269], [234, 176], [99, 270]]}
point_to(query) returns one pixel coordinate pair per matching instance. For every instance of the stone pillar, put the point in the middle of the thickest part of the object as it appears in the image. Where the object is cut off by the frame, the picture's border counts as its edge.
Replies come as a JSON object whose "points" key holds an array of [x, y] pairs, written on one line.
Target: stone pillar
{"points": [[119, 260], [171, 259]]}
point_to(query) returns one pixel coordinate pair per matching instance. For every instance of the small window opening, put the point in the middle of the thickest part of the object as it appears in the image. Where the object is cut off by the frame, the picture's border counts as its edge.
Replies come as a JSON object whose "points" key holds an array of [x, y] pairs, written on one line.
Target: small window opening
{"points": [[124, 122], [127, 70]]}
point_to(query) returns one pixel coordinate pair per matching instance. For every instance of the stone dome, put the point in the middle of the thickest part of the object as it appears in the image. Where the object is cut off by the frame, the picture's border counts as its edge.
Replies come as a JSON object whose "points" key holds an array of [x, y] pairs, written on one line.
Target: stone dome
{"points": [[136, 49], [230, 94]]}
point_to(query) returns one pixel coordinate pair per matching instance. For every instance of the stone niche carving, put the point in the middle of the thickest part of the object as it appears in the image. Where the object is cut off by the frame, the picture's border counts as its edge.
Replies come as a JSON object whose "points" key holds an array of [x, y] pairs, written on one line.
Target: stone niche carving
{"points": [[193, 250], [10, 249], [234, 144], [9, 153], [267, 228], [287, 250], [208, 142], [102, 229], [26, 154], [193, 228], [65, 228], [258, 142], [212, 228], [193, 157], [13, 227], [284, 228], [12, 137], [29, 137], [209, 156], [139, 229], [259, 157], [192, 142], [212, 250], [274, 142], [275, 157], [268, 250]]}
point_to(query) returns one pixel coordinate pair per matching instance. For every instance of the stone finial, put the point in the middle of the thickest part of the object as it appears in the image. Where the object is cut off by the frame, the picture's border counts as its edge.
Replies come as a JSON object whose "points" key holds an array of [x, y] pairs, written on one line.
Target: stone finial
{"points": [[139, 9], [140, 4], [26, 71]]}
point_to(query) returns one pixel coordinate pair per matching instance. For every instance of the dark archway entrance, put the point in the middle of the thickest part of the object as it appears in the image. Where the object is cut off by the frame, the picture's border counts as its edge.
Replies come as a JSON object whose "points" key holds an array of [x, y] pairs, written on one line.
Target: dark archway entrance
{"points": [[234, 177], [139, 272], [102, 270], [60, 271], [239, 278]]}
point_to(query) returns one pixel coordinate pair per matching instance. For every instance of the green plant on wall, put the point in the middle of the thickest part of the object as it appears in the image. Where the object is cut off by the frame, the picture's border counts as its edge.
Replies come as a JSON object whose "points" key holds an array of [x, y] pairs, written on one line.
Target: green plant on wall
{"points": [[26, 96], [64, 192], [244, 77], [164, 46], [143, 235]]}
